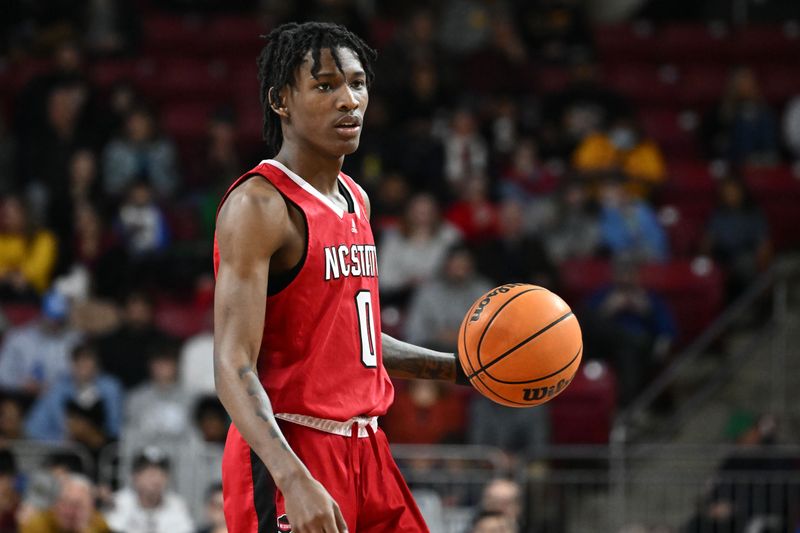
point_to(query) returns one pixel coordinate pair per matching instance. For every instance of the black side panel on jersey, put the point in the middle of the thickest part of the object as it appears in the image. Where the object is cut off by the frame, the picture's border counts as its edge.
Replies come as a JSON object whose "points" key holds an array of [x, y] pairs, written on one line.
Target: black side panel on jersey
{"points": [[351, 208], [263, 496], [280, 280]]}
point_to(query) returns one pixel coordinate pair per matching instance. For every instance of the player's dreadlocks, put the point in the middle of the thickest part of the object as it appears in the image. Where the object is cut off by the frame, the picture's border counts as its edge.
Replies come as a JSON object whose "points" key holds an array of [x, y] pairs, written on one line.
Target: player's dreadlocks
{"points": [[286, 48]]}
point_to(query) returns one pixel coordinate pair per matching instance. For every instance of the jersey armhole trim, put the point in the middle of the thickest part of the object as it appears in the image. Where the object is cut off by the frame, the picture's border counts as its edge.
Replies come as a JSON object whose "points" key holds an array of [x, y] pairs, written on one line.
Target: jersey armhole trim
{"points": [[279, 281]]}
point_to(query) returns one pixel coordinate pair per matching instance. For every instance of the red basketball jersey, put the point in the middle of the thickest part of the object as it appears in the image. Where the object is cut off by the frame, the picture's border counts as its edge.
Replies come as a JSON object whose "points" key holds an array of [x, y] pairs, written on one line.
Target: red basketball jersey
{"points": [[321, 349]]}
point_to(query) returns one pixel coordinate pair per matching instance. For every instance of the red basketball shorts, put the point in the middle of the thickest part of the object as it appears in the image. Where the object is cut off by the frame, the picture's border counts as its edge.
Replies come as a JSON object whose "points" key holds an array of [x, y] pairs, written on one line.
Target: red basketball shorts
{"points": [[358, 472]]}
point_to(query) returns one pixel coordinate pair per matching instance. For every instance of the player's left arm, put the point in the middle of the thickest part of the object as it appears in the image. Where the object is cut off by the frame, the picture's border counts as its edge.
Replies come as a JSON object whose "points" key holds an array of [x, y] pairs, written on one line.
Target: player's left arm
{"points": [[408, 361]]}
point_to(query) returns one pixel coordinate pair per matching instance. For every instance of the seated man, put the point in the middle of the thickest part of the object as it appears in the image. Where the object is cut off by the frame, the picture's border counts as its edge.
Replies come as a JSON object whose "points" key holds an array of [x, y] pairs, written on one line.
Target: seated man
{"points": [[73, 511]]}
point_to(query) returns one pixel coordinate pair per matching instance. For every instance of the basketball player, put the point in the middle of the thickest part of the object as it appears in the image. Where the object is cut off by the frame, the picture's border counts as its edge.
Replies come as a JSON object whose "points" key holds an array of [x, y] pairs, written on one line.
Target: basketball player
{"points": [[300, 361]]}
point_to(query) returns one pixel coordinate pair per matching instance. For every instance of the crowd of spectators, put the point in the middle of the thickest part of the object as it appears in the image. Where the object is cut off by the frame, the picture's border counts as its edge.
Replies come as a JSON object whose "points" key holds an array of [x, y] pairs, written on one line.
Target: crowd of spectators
{"points": [[478, 176]]}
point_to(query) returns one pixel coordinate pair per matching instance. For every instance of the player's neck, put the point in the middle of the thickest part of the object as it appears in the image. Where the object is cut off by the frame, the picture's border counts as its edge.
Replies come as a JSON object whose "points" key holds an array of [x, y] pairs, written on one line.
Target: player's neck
{"points": [[318, 170]]}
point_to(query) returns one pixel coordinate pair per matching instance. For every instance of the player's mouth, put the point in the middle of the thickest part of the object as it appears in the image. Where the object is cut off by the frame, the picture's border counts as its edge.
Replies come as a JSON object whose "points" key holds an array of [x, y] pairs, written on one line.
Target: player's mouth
{"points": [[348, 126]]}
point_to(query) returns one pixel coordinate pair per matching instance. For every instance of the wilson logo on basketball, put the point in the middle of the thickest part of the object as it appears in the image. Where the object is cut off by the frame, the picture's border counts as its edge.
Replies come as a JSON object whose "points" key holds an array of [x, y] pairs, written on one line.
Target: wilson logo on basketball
{"points": [[488, 298], [531, 395]]}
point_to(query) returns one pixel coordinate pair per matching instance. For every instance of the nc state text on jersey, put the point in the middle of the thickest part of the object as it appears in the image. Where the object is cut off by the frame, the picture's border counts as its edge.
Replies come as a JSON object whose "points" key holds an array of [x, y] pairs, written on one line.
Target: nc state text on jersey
{"points": [[353, 260]]}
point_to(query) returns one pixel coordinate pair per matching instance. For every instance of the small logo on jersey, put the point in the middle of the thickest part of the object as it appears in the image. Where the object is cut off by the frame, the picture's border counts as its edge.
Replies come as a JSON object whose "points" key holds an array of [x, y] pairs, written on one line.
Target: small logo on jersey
{"points": [[353, 227], [283, 524]]}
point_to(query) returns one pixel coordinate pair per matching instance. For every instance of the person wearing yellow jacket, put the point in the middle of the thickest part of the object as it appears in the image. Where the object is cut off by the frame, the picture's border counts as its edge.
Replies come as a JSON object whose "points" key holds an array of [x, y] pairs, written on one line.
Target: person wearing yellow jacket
{"points": [[27, 253]]}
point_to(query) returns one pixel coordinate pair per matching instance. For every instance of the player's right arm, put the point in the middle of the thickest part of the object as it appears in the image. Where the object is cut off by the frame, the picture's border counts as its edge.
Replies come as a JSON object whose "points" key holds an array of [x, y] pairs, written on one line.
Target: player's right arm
{"points": [[252, 225]]}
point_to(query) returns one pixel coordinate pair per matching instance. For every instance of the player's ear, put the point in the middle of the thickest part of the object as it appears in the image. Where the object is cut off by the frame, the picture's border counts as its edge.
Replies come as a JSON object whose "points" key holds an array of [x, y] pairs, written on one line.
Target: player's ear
{"points": [[277, 102]]}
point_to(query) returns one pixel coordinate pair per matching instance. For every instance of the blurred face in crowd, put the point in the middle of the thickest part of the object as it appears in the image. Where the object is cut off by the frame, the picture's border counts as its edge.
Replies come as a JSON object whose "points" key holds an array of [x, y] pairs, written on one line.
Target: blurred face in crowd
{"points": [[82, 170], [84, 366], [423, 80], [463, 124], [326, 113], [10, 419], [745, 85], [475, 189], [14, 215], [164, 369], [423, 212], [422, 26], [140, 126], [138, 311], [494, 524], [526, 158], [68, 56], [63, 107], [512, 218], [150, 483], [140, 195], [459, 266], [213, 426], [731, 194], [503, 496], [612, 194], [214, 510], [75, 504], [122, 98], [222, 133]]}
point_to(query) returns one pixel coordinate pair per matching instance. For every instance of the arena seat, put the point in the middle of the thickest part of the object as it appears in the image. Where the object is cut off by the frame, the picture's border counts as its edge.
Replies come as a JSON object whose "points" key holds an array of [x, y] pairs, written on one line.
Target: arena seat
{"points": [[642, 82], [701, 85], [777, 192], [756, 42], [18, 314], [237, 34], [584, 412], [626, 41], [701, 42], [779, 82], [178, 319], [176, 34], [181, 79], [684, 230], [667, 128]]}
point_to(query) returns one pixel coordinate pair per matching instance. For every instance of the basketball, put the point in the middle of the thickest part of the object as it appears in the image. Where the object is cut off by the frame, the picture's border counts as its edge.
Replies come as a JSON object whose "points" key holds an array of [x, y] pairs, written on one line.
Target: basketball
{"points": [[520, 345]]}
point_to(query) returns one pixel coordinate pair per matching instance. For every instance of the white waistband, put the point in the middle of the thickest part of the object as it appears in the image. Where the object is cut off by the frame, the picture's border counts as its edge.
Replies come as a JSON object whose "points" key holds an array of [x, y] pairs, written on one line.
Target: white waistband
{"points": [[333, 426]]}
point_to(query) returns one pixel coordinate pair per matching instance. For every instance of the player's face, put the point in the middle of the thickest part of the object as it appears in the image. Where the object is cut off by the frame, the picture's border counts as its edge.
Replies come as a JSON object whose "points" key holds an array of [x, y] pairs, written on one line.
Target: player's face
{"points": [[326, 112]]}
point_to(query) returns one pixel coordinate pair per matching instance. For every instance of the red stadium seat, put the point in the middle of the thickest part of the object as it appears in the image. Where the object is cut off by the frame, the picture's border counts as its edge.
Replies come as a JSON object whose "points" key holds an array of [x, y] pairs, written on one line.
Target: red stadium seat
{"points": [[701, 86], [581, 277], [642, 82], [187, 123], [175, 34], [178, 319], [181, 79], [669, 129], [777, 191], [684, 228], [770, 42], [18, 314], [701, 42], [584, 412], [779, 82], [636, 41], [694, 290], [238, 34]]}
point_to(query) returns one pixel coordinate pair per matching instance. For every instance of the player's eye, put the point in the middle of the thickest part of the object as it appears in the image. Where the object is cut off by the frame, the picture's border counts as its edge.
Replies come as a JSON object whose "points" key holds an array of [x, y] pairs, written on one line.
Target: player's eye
{"points": [[358, 84], [324, 87]]}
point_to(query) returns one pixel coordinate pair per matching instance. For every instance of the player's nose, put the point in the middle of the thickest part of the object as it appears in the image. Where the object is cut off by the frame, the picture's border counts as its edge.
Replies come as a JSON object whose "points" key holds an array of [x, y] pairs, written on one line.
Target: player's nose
{"points": [[348, 100]]}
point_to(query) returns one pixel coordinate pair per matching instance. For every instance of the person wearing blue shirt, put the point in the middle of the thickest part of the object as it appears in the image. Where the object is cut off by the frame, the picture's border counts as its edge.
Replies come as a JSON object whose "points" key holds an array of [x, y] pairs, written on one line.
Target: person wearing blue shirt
{"points": [[84, 385]]}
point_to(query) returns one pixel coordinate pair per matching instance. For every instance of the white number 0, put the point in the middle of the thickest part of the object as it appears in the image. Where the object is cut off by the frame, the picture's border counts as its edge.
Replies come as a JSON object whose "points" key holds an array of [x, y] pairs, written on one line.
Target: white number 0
{"points": [[366, 328]]}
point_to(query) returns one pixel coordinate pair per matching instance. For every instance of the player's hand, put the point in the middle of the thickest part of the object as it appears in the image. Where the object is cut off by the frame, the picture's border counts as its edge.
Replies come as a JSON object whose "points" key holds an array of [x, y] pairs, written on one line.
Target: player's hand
{"points": [[310, 509]]}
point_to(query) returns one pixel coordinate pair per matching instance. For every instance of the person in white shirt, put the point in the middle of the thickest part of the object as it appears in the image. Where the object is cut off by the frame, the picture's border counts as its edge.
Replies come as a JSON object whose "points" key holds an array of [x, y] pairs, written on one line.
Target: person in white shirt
{"points": [[147, 506]]}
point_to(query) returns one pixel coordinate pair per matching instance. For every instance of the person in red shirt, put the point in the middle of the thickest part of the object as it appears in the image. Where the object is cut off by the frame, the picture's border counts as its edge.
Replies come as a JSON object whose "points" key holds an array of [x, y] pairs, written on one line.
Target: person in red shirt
{"points": [[300, 362]]}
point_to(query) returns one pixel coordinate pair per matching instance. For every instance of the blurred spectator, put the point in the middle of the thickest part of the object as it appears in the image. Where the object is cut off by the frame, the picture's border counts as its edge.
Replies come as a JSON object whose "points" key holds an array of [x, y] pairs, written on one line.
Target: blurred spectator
{"points": [[437, 307], [219, 162], [583, 106], [750, 490], [147, 506], [629, 226], [123, 352], [504, 496], [521, 433], [514, 255], [389, 203], [122, 99], [159, 408], [526, 177], [72, 512], [141, 223], [574, 232], [11, 418], [85, 425], [85, 385], [466, 153], [211, 420], [36, 355], [215, 516], [424, 95], [639, 325], [501, 62], [140, 154], [414, 252], [623, 148], [9, 497], [27, 253], [737, 236], [791, 127], [474, 214], [743, 128], [196, 369], [464, 25], [492, 522], [427, 412], [110, 28], [557, 29]]}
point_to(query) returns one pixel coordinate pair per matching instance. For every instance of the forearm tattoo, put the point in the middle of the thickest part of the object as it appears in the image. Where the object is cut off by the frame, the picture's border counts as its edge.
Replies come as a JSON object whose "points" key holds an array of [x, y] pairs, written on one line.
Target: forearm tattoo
{"points": [[263, 407], [403, 360]]}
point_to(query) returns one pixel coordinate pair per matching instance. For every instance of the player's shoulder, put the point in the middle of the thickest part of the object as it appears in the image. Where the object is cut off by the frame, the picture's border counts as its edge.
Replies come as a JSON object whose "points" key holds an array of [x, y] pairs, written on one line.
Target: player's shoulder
{"points": [[254, 197]]}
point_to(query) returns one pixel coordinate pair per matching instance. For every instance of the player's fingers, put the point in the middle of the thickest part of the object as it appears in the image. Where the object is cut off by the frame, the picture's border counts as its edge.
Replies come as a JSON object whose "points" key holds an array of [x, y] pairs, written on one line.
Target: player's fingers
{"points": [[340, 523]]}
